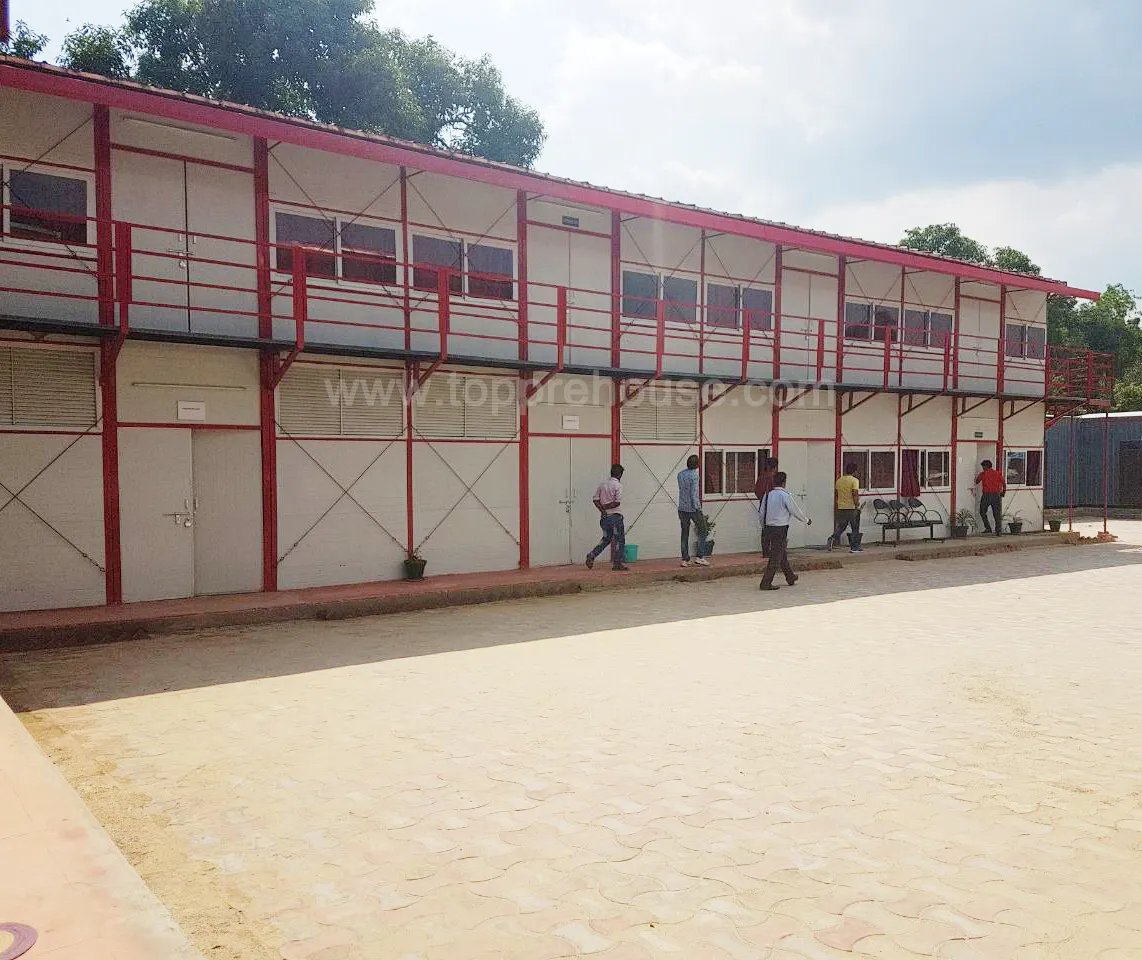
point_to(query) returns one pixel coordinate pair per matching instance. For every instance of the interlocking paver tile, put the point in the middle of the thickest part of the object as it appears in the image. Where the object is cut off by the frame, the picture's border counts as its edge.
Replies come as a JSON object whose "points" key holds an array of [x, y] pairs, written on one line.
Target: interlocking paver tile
{"points": [[896, 761]]}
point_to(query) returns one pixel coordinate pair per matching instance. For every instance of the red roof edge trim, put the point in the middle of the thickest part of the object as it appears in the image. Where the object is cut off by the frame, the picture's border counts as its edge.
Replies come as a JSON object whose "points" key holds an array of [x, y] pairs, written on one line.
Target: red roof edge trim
{"points": [[236, 118]]}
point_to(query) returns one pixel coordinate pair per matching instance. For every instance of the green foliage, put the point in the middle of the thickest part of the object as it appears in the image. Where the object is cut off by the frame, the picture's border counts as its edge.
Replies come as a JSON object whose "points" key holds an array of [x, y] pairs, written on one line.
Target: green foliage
{"points": [[23, 42], [323, 60], [95, 49], [946, 240], [1008, 258], [1128, 395]]}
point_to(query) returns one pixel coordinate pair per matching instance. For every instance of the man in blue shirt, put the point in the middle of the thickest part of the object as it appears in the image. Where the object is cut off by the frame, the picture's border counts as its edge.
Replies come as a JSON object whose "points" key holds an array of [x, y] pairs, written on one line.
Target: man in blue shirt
{"points": [[778, 509], [690, 511]]}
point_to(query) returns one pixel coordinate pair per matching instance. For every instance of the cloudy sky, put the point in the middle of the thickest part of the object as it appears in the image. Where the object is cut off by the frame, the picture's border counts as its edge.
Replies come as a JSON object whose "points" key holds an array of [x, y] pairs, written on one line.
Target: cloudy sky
{"points": [[1020, 120]]}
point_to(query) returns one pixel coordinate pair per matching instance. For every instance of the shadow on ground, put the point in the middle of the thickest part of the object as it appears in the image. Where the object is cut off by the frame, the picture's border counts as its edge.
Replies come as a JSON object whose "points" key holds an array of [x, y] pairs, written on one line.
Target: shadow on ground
{"points": [[90, 674]]}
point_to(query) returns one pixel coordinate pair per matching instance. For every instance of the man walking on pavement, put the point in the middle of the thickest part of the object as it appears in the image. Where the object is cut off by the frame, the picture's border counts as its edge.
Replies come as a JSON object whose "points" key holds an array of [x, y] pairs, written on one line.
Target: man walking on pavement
{"points": [[992, 487], [690, 512], [848, 508], [764, 484], [778, 509], [608, 499]]}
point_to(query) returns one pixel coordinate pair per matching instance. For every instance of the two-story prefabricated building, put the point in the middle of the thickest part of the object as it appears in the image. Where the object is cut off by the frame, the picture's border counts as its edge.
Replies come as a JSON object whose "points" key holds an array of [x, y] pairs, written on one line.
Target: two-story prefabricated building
{"points": [[247, 352]]}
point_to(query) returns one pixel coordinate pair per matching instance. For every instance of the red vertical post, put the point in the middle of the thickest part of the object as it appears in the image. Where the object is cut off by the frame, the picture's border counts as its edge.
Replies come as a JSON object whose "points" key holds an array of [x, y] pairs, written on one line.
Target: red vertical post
{"points": [[842, 270], [659, 335], [702, 311], [406, 252], [956, 339], [955, 451], [113, 269], [266, 367], [616, 421], [443, 309], [524, 471], [616, 288], [1001, 353], [887, 354], [1105, 471], [560, 326], [947, 360], [1070, 473], [777, 271], [999, 441], [746, 337], [900, 330], [410, 386], [521, 286], [820, 349], [778, 395], [837, 433]]}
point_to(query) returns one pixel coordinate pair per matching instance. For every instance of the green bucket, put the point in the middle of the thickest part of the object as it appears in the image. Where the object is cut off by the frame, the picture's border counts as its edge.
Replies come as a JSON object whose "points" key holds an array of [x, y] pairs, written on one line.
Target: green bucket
{"points": [[630, 552]]}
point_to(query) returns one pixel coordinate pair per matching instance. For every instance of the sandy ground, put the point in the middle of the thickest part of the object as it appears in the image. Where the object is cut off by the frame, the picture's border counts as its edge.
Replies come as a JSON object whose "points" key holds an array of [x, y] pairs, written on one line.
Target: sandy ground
{"points": [[908, 759]]}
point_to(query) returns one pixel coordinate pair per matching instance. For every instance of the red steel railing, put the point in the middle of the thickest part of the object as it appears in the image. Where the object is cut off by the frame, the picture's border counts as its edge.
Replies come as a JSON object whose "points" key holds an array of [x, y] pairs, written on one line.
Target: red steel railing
{"points": [[163, 278]]}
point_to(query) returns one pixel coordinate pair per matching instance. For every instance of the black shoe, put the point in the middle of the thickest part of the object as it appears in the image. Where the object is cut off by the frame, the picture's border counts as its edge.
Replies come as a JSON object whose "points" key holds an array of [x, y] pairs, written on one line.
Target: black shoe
{"points": [[768, 586], [620, 568], [793, 581], [590, 561]]}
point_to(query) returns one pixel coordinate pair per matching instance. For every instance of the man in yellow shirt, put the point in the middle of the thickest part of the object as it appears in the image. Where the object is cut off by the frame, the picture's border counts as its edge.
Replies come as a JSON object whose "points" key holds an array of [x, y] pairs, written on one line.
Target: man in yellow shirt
{"points": [[847, 501]]}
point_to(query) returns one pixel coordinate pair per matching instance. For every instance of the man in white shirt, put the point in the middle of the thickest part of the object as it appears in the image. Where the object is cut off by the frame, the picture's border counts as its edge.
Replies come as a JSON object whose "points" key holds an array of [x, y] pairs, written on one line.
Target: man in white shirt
{"points": [[777, 510], [608, 500]]}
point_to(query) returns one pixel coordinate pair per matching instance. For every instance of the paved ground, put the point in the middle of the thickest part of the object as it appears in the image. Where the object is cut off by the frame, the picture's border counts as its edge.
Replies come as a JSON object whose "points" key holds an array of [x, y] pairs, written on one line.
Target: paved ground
{"points": [[899, 760]]}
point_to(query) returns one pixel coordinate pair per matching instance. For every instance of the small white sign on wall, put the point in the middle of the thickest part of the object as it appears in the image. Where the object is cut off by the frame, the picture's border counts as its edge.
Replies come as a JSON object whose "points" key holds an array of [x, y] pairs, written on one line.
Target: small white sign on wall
{"points": [[570, 421], [192, 410]]}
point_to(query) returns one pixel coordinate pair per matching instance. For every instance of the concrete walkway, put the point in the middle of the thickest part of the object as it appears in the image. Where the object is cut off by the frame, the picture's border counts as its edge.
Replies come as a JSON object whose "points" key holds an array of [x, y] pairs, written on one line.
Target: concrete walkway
{"points": [[48, 628], [61, 875]]}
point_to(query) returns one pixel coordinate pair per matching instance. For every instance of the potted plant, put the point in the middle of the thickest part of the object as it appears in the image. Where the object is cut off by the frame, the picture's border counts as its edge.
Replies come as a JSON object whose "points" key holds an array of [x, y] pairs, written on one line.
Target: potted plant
{"points": [[1055, 525], [705, 532], [1014, 523], [963, 523], [414, 566]]}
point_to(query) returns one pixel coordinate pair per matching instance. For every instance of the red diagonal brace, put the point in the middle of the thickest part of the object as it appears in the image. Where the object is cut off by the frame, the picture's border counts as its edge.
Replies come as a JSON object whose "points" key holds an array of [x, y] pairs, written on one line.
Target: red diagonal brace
{"points": [[560, 341], [444, 324], [123, 291]]}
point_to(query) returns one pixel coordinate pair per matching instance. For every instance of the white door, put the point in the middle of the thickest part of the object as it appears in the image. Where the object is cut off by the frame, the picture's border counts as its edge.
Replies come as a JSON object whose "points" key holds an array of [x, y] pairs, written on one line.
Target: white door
{"points": [[156, 507], [150, 194], [810, 467], [217, 208], [564, 472], [190, 502], [227, 506]]}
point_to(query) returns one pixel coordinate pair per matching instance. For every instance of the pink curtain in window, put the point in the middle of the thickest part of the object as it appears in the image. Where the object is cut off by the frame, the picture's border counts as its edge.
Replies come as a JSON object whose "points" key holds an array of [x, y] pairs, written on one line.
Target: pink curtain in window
{"points": [[910, 473]]}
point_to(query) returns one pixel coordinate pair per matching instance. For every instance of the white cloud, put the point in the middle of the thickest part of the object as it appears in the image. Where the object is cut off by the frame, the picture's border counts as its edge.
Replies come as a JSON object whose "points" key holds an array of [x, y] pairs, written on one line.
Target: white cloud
{"points": [[1083, 229]]}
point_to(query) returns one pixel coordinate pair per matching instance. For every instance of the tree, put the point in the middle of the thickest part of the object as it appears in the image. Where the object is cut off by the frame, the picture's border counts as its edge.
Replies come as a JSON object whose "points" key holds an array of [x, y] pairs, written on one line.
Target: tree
{"points": [[1015, 261], [323, 60], [23, 42], [97, 50], [946, 240]]}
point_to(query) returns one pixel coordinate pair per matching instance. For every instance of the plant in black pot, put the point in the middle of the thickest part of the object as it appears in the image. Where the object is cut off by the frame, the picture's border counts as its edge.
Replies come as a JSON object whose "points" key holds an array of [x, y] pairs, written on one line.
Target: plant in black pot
{"points": [[1014, 523], [1055, 525], [414, 566], [963, 523]]}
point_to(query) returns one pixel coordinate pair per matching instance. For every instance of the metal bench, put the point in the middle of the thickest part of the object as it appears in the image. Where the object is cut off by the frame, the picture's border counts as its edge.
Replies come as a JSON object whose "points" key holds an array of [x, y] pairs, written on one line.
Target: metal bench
{"points": [[907, 514]]}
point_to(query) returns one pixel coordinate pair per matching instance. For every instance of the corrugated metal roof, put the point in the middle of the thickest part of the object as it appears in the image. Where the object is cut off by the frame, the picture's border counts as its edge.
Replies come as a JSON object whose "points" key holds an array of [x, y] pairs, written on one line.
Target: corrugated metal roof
{"points": [[1000, 276]]}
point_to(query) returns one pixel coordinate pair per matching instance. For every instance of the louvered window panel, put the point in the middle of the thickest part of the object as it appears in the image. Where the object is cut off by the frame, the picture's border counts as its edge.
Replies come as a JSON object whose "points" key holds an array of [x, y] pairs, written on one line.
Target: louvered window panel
{"points": [[6, 386], [438, 408], [639, 420], [372, 403], [309, 401], [677, 416], [53, 388], [464, 406]]}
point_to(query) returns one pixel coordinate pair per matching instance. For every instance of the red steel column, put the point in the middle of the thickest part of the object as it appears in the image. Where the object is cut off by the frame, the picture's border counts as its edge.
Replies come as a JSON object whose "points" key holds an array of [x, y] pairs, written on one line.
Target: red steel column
{"points": [[406, 253], [108, 353], [524, 451], [1105, 471], [616, 341], [1001, 353], [777, 398], [837, 437], [409, 386], [1070, 473], [956, 340], [955, 441], [841, 271], [702, 308], [777, 313], [267, 360]]}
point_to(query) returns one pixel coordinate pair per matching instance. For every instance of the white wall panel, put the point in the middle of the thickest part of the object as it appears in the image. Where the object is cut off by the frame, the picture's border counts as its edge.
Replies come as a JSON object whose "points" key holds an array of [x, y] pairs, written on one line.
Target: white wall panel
{"points": [[154, 377], [38, 569]]}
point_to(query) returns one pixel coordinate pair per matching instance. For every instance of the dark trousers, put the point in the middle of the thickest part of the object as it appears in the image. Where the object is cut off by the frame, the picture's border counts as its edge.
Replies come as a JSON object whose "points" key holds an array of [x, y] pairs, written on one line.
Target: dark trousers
{"points": [[846, 519], [777, 539], [994, 503], [614, 536], [696, 517]]}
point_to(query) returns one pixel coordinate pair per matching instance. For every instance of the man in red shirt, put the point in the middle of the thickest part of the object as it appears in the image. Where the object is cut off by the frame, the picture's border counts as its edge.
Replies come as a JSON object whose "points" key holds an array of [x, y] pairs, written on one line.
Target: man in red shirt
{"points": [[992, 487]]}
